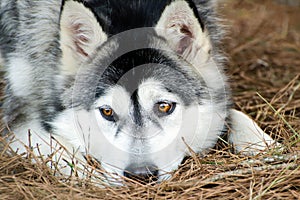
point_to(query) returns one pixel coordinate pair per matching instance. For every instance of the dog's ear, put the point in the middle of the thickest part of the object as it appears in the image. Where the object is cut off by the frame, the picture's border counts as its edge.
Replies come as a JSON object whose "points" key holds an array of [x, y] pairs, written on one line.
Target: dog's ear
{"points": [[184, 31], [80, 35]]}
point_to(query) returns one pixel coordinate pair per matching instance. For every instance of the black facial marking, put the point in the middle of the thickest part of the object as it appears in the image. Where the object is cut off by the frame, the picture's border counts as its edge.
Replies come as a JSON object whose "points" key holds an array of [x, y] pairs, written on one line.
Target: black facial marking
{"points": [[125, 72], [136, 109], [116, 16], [132, 68]]}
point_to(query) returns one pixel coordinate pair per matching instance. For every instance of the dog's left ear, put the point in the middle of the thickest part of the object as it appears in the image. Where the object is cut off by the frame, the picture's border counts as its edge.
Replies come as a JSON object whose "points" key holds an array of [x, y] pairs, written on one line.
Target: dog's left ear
{"points": [[80, 35], [184, 32]]}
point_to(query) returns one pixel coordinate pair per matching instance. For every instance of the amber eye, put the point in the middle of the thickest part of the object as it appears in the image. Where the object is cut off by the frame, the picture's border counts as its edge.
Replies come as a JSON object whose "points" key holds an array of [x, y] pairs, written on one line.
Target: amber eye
{"points": [[164, 108], [107, 113]]}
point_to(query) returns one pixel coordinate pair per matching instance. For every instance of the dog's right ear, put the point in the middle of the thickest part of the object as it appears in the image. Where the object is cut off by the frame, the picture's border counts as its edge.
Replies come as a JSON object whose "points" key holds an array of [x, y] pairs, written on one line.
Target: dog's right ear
{"points": [[80, 35], [185, 32]]}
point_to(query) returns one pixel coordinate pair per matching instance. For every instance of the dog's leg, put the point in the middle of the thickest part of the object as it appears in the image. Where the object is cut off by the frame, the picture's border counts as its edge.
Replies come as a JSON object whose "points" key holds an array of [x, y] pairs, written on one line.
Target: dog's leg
{"points": [[246, 136]]}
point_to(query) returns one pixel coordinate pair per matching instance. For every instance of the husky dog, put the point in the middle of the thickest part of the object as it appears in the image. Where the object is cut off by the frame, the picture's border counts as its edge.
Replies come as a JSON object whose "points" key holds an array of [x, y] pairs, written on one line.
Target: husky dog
{"points": [[136, 85]]}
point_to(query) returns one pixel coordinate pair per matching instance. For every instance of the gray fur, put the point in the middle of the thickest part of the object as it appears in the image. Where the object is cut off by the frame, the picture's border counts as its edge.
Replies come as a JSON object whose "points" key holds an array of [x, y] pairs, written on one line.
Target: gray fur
{"points": [[41, 94], [29, 29], [30, 32]]}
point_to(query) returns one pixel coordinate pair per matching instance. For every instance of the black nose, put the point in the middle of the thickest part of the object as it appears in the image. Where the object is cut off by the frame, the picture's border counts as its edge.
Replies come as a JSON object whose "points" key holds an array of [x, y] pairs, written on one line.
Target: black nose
{"points": [[143, 174]]}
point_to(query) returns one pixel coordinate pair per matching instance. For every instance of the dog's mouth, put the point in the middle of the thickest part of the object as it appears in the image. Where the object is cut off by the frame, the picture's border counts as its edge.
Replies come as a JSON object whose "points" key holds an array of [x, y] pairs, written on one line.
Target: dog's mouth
{"points": [[141, 173]]}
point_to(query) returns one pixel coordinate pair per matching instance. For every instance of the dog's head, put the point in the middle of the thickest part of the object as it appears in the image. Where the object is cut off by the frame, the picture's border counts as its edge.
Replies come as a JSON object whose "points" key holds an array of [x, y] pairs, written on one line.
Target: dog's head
{"points": [[142, 88]]}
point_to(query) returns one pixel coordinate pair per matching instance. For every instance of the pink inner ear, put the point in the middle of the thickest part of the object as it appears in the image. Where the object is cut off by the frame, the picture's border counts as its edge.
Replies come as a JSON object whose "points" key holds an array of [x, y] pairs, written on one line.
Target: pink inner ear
{"points": [[184, 43], [79, 39], [186, 31], [186, 39], [80, 50]]}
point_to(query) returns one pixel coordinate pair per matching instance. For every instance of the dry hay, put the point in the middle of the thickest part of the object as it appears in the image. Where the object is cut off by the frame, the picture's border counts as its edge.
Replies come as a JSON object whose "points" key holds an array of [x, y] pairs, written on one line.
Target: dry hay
{"points": [[264, 67]]}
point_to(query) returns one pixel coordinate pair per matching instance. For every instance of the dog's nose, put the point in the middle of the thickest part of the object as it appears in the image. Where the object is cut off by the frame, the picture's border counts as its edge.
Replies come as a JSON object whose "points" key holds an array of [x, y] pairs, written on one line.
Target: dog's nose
{"points": [[143, 174]]}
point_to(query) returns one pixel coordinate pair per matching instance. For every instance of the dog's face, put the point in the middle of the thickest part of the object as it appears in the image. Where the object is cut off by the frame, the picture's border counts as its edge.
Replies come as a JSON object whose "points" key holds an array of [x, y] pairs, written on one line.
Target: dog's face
{"points": [[143, 130], [141, 99]]}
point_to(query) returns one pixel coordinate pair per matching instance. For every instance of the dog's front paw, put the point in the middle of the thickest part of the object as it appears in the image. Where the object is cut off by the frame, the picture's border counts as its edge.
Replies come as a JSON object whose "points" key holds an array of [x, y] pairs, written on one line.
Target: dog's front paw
{"points": [[246, 136]]}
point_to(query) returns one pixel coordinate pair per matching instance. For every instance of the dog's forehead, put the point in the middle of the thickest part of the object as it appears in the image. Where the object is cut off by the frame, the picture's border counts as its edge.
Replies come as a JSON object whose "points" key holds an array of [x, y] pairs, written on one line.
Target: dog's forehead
{"points": [[148, 92], [169, 72]]}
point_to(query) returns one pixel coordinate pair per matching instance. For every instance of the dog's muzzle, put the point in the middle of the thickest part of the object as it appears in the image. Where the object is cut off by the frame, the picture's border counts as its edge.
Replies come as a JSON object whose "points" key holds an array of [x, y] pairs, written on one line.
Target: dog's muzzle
{"points": [[144, 174]]}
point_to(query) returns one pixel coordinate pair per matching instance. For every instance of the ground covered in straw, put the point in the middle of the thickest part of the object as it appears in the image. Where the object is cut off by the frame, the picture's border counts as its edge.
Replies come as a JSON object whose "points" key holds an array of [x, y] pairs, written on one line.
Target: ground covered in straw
{"points": [[264, 68]]}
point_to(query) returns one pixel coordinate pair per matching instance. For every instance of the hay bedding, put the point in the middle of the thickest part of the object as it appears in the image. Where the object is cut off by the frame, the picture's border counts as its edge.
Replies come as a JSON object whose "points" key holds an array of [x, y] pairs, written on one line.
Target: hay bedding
{"points": [[264, 66]]}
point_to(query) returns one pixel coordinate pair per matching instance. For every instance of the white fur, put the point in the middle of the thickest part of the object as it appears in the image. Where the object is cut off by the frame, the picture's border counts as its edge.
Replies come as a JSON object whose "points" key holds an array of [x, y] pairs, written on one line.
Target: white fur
{"points": [[198, 125], [246, 136], [32, 135], [19, 72], [164, 142], [86, 135], [38, 136]]}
